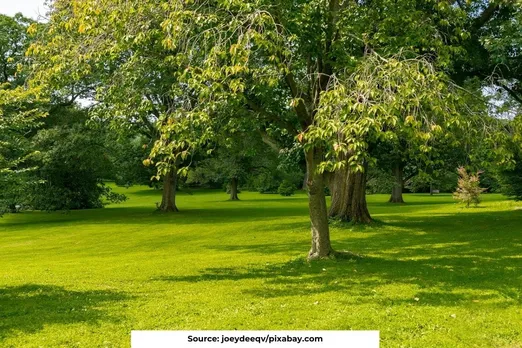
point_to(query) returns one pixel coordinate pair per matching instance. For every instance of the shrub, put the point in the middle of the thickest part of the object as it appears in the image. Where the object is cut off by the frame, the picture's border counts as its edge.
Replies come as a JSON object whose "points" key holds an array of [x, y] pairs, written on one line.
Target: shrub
{"points": [[468, 187], [286, 188], [265, 182], [71, 164]]}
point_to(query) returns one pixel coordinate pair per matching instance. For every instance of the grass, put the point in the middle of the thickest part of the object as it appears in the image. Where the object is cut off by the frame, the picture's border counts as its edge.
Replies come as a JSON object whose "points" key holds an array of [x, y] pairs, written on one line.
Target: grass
{"points": [[434, 274]]}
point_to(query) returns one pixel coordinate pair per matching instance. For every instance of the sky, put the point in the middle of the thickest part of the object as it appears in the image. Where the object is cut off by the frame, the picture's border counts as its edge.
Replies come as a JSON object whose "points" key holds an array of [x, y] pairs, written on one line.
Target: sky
{"points": [[30, 8]]}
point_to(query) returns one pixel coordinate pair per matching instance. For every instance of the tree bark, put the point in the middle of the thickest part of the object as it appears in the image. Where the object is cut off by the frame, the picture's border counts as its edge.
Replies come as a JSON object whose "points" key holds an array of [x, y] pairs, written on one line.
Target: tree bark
{"points": [[349, 196], [356, 199], [398, 173], [305, 181], [321, 246], [338, 191], [168, 199], [233, 190]]}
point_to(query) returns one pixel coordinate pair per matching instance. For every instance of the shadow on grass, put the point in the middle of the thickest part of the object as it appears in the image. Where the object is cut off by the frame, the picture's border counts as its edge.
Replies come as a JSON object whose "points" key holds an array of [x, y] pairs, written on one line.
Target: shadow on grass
{"points": [[356, 281], [469, 258], [224, 213], [29, 308], [152, 192]]}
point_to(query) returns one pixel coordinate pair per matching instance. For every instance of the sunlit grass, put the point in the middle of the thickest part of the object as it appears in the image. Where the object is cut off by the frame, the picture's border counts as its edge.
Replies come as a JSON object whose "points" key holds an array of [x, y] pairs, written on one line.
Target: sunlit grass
{"points": [[433, 274]]}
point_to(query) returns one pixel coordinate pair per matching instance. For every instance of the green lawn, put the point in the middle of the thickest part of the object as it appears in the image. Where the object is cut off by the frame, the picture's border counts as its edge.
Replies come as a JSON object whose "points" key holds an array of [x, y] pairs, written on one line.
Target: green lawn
{"points": [[433, 274]]}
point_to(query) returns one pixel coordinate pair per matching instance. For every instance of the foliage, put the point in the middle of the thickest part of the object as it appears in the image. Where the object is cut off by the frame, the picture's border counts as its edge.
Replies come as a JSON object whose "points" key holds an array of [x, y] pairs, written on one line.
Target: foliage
{"points": [[442, 180], [236, 154], [264, 182], [233, 53], [511, 181], [468, 188], [379, 181], [72, 163], [511, 178], [286, 188], [127, 154], [19, 114], [13, 44], [383, 99]]}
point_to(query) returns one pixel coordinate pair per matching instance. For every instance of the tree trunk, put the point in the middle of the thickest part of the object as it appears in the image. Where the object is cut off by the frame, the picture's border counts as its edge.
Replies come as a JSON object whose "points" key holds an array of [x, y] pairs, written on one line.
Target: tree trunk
{"points": [[305, 181], [356, 198], [321, 247], [349, 196], [168, 199], [396, 196], [338, 191], [233, 190]]}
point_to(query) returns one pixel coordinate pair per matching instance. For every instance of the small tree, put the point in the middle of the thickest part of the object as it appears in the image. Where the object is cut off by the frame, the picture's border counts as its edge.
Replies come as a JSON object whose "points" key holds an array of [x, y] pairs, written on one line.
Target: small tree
{"points": [[287, 188], [468, 187]]}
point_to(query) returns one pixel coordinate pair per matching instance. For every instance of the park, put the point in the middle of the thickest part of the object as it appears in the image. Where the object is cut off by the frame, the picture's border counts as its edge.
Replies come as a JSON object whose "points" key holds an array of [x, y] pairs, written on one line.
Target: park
{"points": [[431, 273], [261, 165]]}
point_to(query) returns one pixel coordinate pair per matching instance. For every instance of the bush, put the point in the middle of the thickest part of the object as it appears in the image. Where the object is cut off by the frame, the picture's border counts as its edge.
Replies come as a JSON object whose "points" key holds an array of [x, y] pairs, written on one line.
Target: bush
{"points": [[286, 188], [468, 188], [265, 182], [71, 164]]}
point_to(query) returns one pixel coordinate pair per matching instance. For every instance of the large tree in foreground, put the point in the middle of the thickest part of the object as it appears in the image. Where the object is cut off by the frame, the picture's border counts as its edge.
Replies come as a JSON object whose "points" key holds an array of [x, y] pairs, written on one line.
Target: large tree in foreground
{"points": [[304, 66], [303, 51]]}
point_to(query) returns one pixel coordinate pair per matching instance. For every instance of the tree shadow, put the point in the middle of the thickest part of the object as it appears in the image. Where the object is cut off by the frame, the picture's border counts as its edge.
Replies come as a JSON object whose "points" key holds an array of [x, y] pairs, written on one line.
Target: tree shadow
{"points": [[356, 279], [152, 192], [223, 214], [461, 259], [29, 308]]}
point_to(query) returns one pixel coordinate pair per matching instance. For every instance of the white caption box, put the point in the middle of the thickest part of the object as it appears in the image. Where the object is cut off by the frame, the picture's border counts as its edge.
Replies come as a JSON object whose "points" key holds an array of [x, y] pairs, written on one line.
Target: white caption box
{"points": [[252, 339]]}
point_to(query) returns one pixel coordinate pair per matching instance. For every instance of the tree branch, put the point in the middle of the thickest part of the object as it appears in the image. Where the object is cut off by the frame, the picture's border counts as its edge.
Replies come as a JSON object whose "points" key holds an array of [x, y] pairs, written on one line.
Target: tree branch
{"points": [[512, 93], [302, 113], [485, 16]]}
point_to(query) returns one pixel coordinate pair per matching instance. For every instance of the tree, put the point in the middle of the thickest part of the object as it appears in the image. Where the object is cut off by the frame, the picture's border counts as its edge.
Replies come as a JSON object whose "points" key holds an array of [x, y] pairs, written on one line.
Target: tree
{"points": [[511, 180], [285, 62], [490, 49], [511, 177], [236, 155], [133, 81], [18, 113], [13, 44], [71, 164], [468, 190], [384, 101], [349, 195], [301, 49], [128, 151]]}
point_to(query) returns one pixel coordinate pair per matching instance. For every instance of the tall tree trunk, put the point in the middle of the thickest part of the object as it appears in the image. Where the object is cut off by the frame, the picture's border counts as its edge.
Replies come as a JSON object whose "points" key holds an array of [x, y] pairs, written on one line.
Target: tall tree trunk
{"points": [[339, 191], [398, 186], [168, 199], [349, 196], [321, 247], [233, 190], [357, 207]]}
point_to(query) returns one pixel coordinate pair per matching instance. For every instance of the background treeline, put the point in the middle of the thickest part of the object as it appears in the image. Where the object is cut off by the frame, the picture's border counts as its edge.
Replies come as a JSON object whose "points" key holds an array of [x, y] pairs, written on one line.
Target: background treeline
{"points": [[73, 154]]}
